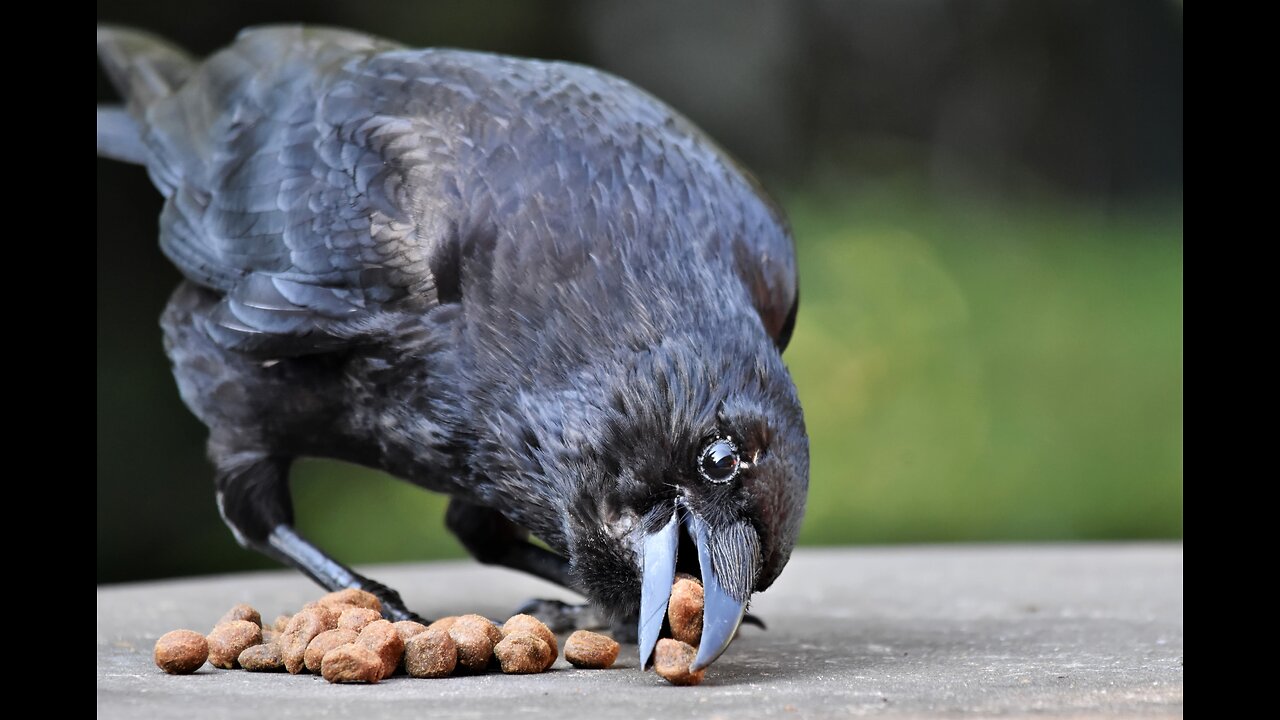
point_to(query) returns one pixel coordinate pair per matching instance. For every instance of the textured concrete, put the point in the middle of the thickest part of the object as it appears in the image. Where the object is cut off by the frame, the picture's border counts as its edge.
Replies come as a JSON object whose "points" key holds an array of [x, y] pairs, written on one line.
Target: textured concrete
{"points": [[1063, 631]]}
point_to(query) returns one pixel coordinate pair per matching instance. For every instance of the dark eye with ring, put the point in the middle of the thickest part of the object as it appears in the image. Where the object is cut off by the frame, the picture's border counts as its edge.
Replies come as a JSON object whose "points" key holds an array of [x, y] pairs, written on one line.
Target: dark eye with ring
{"points": [[719, 461]]}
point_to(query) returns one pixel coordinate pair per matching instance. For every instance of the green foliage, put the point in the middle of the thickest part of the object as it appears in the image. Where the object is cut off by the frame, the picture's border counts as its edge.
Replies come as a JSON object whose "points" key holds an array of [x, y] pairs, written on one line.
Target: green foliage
{"points": [[989, 375]]}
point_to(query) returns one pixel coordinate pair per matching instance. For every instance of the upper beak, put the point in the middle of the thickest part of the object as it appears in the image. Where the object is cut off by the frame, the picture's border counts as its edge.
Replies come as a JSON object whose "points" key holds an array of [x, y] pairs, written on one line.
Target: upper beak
{"points": [[729, 560]]}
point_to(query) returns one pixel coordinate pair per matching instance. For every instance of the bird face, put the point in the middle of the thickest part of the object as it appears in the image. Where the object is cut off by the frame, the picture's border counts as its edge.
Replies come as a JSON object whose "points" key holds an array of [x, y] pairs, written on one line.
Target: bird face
{"points": [[702, 468]]}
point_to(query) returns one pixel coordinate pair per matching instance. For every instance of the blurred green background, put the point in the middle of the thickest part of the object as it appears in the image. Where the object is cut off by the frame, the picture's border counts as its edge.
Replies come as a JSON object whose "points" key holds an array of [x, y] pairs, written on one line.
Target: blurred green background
{"points": [[987, 204]]}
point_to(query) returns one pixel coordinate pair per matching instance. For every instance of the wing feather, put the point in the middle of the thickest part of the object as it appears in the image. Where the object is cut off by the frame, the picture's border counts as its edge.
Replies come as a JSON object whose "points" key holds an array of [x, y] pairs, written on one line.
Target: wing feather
{"points": [[285, 191]]}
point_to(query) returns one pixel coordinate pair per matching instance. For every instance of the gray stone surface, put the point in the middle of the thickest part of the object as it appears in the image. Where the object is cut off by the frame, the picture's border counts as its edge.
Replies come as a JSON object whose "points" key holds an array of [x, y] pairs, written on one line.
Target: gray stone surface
{"points": [[1061, 630]]}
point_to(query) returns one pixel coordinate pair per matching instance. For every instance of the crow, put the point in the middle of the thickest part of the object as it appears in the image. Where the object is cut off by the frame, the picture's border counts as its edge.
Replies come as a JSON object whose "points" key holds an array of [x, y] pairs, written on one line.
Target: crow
{"points": [[529, 285]]}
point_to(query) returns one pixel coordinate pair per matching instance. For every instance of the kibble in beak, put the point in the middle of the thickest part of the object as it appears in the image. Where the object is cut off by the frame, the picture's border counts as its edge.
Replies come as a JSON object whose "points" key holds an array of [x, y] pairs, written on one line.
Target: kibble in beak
{"points": [[729, 561]]}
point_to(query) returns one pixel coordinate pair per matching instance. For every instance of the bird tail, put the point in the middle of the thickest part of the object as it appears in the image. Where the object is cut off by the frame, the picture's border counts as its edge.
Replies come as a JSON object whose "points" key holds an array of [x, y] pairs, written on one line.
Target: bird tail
{"points": [[144, 69]]}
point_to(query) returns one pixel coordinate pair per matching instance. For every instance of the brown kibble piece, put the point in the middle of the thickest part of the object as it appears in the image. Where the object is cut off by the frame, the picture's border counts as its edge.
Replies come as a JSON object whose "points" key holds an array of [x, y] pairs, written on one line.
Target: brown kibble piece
{"points": [[262, 658], [353, 596], [282, 622], [270, 636], [355, 618], [323, 643], [301, 630], [430, 654], [522, 652], [483, 623], [408, 628], [444, 623], [228, 640], [337, 608], [242, 612], [672, 660], [684, 611], [474, 646], [585, 649], [181, 652], [381, 637], [531, 624], [351, 663], [330, 612]]}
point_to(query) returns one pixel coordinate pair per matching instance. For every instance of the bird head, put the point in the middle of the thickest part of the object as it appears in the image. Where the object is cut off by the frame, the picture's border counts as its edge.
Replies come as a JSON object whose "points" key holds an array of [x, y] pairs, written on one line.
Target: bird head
{"points": [[699, 464]]}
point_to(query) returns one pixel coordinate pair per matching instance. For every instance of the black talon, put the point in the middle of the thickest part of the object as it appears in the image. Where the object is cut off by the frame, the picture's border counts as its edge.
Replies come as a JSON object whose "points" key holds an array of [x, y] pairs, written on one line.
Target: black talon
{"points": [[393, 607], [396, 613], [750, 619], [561, 616]]}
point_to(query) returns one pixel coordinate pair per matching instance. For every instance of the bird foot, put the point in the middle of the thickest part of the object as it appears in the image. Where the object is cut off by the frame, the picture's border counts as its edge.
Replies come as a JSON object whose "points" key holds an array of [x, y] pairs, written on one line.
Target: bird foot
{"points": [[563, 617], [393, 607]]}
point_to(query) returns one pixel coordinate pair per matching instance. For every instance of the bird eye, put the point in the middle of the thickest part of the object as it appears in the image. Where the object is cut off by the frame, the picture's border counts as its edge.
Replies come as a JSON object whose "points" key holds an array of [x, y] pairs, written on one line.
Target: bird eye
{"points": [[719, 462]]}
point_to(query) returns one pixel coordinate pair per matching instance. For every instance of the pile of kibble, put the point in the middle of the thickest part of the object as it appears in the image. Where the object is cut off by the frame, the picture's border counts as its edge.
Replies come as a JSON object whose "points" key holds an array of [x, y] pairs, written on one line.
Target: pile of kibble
{"points": [[344, 638]]}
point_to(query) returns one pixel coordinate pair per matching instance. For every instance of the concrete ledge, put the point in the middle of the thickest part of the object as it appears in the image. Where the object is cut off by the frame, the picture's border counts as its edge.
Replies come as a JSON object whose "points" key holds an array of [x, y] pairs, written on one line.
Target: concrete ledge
{"points": [[1051, 630]]}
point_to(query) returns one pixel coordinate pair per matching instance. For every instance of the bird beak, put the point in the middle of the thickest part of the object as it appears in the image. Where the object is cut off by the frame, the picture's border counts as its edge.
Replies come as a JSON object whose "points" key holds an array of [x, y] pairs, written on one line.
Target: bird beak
{"points": [[729, 560], [659, 559]]}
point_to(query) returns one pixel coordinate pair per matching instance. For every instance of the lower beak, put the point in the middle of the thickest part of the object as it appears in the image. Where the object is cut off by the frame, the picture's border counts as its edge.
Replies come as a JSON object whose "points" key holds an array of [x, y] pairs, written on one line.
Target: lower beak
{"points": [[728, 559]]}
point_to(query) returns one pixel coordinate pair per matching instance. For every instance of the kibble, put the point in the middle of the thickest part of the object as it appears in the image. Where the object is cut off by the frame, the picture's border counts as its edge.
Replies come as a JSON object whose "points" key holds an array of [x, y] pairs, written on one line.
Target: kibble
{"points": [[523, 652], [351, 663], [381, 637], [444, 623], [585, 649], [430, 654], [302, 629], [241, 612], [334, 608], [531, 624], [323, 643], [408, 628], [343, 637], [228, 640], [672, 659], [475, 649], [262, 658], [355, 618], [684, 611], [353, 596], [181, 652], [483, 623]]}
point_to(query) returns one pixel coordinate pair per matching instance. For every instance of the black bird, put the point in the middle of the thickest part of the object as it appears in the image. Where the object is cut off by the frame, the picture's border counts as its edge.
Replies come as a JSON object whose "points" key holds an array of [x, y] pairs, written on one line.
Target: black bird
{"points": [[529, 285]]}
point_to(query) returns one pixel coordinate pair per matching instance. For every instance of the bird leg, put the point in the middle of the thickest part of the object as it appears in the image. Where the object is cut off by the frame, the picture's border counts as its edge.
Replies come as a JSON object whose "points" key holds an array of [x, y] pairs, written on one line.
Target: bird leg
{"points": [[494, 540], [562, 617], [253, 498]]}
